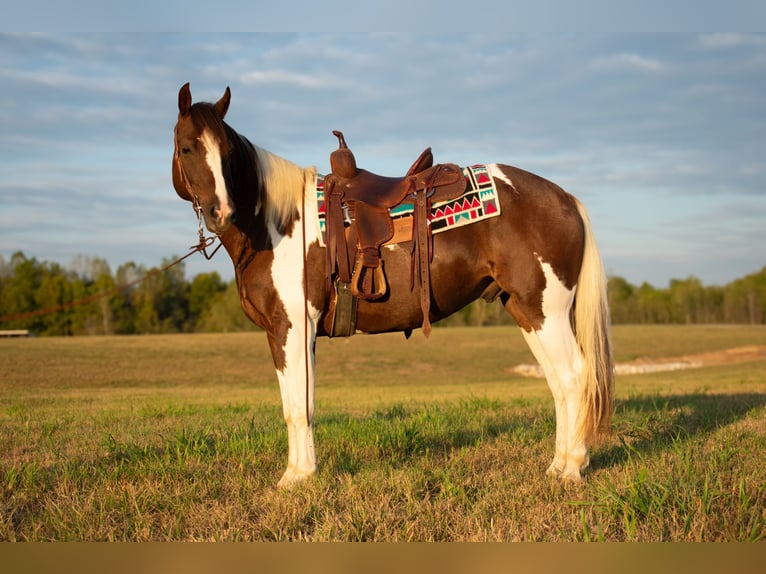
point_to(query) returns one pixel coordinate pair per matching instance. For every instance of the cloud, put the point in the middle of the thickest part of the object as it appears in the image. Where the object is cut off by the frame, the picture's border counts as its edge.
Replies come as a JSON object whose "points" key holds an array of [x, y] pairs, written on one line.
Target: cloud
{"points": [[628, 62], [285, 78], [730, 40]]}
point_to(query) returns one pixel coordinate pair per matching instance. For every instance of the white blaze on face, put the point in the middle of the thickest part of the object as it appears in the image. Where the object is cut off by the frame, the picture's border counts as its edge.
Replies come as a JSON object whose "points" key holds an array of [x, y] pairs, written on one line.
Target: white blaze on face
{"points": [[214, 162]]}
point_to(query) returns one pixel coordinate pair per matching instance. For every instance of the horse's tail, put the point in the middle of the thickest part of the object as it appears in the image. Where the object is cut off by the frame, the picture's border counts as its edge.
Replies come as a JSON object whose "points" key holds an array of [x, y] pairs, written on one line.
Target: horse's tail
{"points": [[591, 317]]}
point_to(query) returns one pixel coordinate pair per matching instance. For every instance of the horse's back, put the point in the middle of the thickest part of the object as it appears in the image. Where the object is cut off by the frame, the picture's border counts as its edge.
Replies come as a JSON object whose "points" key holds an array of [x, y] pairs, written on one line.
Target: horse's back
{"points": [[538, 223]]}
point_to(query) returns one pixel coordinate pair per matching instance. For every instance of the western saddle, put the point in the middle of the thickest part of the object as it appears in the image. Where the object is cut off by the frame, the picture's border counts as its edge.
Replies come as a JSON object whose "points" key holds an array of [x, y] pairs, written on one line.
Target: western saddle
{"points": [[368, 198]]}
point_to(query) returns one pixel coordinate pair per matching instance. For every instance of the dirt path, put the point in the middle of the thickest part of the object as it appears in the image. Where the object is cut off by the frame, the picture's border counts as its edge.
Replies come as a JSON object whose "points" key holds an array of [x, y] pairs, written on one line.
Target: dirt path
{"points": [[646, 365]]}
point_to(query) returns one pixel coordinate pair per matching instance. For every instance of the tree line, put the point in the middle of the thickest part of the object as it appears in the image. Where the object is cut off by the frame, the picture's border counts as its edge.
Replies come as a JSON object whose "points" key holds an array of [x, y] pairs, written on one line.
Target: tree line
{"points": [[156, 302], [168, 302]]}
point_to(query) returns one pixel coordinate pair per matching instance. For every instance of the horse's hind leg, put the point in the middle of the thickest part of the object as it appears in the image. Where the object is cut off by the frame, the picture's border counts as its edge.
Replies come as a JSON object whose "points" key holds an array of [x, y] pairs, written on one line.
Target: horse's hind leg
{"points": [[557, 352], [553, 344]]}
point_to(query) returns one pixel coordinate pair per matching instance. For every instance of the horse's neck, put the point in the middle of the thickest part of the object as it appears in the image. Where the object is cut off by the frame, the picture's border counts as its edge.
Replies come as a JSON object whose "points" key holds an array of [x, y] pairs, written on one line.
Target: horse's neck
{"points": [[247, 188]]}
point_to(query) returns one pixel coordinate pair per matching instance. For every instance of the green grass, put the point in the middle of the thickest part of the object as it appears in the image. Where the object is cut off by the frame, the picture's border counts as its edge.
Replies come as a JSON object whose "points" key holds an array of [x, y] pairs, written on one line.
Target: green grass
{"points": [[181, 438]]}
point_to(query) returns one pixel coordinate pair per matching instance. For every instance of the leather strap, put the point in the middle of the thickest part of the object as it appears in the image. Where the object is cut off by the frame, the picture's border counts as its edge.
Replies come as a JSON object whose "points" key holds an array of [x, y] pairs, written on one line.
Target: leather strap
{"points": [[423, 255], [336, 252]]}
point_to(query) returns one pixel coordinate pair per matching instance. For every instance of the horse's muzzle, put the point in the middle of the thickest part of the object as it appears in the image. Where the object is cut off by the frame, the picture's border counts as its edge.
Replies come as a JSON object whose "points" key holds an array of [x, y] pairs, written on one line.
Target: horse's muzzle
{"points": [[218, 220]]}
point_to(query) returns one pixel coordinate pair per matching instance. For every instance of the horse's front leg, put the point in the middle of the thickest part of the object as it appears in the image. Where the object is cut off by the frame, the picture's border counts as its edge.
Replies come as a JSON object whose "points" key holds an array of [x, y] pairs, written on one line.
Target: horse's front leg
{"points": [[296, 383]]}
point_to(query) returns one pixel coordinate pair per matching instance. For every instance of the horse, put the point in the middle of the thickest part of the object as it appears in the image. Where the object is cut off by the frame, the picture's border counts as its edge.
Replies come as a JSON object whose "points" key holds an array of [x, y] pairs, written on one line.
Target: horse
{"points": [[538, 258]]}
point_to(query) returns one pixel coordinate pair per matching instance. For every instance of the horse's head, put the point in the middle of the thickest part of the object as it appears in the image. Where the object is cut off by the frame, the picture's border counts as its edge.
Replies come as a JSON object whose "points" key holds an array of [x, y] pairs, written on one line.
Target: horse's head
{"points": [[201, 161]]}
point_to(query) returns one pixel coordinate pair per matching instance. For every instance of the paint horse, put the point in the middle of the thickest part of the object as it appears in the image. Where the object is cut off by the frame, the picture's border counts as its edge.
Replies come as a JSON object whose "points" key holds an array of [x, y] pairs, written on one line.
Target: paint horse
{"points": [[538, 257]]}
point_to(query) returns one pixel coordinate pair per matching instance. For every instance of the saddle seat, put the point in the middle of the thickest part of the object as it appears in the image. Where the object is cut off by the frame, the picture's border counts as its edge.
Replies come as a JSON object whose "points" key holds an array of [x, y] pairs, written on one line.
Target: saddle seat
{"points": [[387, 192], [369, 197]]}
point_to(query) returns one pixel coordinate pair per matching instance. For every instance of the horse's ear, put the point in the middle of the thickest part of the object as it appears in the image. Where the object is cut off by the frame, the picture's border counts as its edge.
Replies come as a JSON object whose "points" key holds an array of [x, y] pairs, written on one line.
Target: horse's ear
{"points": [[184, 99], [222, 105]]}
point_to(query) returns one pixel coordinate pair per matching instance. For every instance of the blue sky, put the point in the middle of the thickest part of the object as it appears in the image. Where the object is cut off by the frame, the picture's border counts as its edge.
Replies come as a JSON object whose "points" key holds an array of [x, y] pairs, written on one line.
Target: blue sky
{"points": [[663, 136]]}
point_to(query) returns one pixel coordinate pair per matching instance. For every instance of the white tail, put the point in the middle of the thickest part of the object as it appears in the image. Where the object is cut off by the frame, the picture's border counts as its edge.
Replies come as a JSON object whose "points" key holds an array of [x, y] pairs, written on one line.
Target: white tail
{"points": [[592, 332]]}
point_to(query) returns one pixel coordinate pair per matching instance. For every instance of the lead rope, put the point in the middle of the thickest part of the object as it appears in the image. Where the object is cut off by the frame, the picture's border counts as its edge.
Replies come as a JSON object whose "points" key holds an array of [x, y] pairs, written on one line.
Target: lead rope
{"points": [[306, 305], [201, 247]]}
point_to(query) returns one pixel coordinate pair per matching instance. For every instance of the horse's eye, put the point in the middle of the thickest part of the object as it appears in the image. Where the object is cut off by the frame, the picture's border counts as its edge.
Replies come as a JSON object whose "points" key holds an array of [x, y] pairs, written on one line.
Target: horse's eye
{"points": [[186, 150]]}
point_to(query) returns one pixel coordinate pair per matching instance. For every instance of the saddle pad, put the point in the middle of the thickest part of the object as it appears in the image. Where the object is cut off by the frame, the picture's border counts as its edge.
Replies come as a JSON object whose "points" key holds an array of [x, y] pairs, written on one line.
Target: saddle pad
{"points": [[478, 202]]}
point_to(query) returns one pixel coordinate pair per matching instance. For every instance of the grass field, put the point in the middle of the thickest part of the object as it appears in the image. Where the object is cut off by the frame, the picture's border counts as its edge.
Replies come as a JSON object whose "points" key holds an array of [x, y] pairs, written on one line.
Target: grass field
{"points": [[181, 438]]}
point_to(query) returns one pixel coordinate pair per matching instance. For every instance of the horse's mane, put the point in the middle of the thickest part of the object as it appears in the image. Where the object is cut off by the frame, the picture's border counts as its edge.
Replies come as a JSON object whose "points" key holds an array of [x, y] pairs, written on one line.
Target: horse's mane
{"points": [[283, 184]]}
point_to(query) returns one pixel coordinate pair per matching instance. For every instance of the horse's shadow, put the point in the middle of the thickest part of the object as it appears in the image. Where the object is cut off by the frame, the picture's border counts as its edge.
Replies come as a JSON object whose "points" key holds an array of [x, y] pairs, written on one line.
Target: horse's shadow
{"points": [[643, 425], [650, 423]]}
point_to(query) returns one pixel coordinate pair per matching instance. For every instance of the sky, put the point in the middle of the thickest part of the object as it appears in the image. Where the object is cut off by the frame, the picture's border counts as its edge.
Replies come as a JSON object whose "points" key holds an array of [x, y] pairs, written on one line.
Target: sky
{"points": [[661, 135]]}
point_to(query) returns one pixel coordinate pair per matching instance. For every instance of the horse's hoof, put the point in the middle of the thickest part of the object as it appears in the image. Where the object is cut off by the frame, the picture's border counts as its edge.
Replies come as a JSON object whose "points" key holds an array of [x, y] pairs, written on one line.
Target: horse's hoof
{"points": [[292, 477], [571, 475], [554, 470]]}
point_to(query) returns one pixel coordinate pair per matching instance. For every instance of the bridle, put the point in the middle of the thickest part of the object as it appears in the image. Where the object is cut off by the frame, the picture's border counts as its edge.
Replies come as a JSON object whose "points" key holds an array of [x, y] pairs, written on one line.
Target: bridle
{"points": [[204, 242]]}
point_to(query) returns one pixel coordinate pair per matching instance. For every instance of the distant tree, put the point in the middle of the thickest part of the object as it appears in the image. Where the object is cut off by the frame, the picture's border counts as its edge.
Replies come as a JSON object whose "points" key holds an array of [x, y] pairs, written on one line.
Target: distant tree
{"points": [[745, 299], [125, 306], [5, 270], [622, 301], [144, 298], [172, 299], [19, 292], [686, 300], [224, 313], [203, 292], [93, 278], [55, 290], [654, 304]]}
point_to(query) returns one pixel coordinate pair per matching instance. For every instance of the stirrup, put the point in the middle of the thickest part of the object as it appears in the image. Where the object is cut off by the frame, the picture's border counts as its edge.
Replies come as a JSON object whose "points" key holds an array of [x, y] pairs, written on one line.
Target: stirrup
{"points": [[361, 274]]}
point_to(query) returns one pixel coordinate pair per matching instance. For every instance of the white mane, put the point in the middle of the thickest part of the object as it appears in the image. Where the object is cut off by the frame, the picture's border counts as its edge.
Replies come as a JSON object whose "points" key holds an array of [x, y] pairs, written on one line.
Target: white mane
{"points": [[283, 184]]}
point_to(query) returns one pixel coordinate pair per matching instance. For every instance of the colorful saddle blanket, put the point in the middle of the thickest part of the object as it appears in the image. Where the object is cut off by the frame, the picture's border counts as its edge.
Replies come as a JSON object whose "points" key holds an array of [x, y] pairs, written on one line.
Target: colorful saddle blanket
{"points": [[477, 203]]}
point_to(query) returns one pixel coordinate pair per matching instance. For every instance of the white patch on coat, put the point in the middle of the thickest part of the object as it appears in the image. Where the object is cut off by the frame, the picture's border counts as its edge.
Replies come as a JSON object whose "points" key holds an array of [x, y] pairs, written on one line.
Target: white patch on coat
{"points": [[496, 173], [557, 299], [289, 257]]}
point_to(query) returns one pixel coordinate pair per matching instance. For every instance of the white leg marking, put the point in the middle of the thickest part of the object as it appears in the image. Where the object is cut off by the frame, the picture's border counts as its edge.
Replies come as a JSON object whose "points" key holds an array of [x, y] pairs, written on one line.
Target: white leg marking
{"points": [[538, 350], [287, 274], [562, 362], [213, 159]]}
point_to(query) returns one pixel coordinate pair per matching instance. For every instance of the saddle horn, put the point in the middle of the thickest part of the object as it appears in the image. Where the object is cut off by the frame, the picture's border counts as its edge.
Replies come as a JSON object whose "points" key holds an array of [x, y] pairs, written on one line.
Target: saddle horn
{"points": [[342, 161]]}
